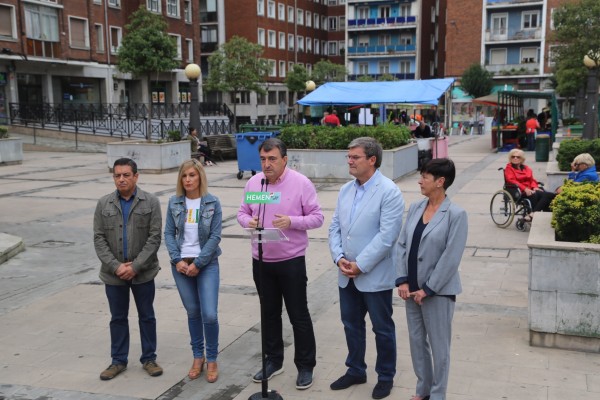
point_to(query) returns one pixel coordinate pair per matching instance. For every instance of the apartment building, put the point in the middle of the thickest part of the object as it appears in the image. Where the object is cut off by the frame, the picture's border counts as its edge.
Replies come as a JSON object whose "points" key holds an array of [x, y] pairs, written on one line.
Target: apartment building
{"points": [[65, 51], [403, 39]]}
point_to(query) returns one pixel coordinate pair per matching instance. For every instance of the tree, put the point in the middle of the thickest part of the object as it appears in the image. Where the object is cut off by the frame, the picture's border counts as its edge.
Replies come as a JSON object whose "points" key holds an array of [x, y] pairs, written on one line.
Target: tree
{"points": [[296, 80], [237, 66], [147, 48], [577, 29], [326, 71], [477, 81]]}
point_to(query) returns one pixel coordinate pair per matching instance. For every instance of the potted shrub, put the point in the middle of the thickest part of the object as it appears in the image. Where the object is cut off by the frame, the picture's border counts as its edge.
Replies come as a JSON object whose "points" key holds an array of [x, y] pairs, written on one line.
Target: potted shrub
{"points": [[11, 149], [318, 151], [564, 277]]}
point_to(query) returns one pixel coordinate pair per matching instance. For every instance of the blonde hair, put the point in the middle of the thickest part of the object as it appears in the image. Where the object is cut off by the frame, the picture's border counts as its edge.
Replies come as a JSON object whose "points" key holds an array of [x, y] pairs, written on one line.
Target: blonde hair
{"points": [[584, 158], [193, 163], [516, 152]]}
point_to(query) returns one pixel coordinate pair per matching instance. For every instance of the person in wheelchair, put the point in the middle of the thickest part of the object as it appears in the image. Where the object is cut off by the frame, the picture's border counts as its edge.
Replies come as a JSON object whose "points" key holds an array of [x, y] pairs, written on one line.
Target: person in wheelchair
{"points": [[520, 175]]}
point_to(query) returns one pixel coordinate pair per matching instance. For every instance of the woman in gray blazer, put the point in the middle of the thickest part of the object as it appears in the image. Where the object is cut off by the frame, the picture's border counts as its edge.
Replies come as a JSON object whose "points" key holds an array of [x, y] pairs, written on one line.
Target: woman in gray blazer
{"points": [[427, 257]]}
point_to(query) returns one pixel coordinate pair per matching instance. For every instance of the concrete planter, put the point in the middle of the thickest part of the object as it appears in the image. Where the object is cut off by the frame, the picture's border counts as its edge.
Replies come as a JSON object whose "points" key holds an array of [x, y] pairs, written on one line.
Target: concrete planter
{"points": [[154, 158], [11, 151], [555, 176], [331, 166], [564, 290]]}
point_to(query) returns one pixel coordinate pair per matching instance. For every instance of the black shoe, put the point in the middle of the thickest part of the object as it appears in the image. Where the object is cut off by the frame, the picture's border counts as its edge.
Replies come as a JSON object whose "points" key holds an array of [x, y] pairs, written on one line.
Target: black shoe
{"points": [[382, 389], [272, 370], [346, 381], [305, 379]]}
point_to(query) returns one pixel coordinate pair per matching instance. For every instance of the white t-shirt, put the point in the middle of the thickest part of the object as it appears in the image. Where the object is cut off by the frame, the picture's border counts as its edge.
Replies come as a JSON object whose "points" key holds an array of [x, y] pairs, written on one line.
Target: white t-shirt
{"points": [[191, 243]]}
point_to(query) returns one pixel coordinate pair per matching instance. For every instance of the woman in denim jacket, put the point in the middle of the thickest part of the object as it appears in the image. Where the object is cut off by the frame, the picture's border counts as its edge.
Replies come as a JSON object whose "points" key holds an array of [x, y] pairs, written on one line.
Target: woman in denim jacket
{"points": [[192, 236]]}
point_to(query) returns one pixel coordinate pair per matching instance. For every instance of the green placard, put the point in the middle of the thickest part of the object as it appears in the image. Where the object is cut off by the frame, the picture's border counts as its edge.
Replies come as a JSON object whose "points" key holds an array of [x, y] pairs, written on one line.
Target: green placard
{"points": [[262, 198]]}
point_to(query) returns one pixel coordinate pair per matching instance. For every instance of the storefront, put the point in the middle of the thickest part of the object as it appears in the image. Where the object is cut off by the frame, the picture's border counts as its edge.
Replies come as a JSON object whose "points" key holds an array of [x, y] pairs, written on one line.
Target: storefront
{"points": [[78, 90]]}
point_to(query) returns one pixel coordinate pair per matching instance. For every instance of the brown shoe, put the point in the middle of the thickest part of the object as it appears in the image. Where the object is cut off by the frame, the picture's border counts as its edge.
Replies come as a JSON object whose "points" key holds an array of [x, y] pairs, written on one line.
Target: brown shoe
{"points": [[195, 372], [152, 368], [212, 372], [112, 371]]}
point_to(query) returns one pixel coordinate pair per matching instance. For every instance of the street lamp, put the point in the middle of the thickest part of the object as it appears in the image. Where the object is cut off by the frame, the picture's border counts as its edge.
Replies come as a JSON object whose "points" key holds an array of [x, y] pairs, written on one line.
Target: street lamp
{"points": [[192, 72], [310, 86], [590, 123]]}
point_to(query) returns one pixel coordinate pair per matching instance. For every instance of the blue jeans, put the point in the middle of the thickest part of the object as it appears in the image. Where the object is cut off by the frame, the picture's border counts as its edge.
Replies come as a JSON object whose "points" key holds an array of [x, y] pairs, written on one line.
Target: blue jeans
{"points": [[354, 306], [118, 301], [200, 297]]}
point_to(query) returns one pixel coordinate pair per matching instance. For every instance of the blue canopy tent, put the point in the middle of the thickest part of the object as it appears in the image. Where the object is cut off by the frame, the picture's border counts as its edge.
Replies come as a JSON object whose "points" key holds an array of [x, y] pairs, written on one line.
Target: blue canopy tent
{"points": [[397, 92]]}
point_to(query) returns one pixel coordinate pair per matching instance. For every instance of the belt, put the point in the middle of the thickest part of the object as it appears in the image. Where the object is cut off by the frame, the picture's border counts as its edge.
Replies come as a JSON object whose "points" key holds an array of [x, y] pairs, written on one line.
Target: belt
{"points": [[189, 260]]}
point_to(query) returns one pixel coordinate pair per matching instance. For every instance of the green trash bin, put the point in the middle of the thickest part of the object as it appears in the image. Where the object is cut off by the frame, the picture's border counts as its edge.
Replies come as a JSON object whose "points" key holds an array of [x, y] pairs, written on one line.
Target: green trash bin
{"points": [[542, 147]]}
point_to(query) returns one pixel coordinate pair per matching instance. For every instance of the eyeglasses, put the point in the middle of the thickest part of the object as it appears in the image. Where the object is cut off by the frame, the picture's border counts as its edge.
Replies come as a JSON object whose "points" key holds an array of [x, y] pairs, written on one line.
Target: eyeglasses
{"points": [[515, 157], [354, 158]]}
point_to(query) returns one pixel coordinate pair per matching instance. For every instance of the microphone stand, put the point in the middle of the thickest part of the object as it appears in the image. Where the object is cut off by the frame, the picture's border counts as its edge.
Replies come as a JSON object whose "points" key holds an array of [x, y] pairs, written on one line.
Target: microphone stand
{"points": [[265, 393]]}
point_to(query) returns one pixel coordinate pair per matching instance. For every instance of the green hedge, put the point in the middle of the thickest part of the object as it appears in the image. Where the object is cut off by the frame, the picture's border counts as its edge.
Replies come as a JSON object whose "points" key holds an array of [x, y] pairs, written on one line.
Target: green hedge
{"points": [[569, 149], [3, 132], [576, 213], [337, 138]]}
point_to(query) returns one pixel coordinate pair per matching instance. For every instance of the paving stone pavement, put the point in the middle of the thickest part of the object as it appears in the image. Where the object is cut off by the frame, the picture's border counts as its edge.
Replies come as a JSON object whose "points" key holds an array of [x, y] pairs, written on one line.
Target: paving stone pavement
{"points": [[54, 338]]}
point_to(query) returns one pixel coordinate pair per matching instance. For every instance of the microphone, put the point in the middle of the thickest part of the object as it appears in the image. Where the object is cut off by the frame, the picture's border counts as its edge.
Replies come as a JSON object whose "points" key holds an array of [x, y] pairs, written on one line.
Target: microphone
{"points": [[258, 224]]}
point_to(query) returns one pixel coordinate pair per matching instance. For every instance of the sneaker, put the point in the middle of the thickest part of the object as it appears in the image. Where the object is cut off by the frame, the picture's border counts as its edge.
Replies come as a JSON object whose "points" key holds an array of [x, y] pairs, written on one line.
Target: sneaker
{"points": [[152, 368], [272, 370], [112, 371], [305, 379], [382, 389], [346, 381]]}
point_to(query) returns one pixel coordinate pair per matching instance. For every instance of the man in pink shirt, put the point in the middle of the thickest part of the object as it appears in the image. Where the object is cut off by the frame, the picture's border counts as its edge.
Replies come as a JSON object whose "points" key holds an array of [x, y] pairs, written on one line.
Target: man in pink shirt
{"points": [[284, 266]]}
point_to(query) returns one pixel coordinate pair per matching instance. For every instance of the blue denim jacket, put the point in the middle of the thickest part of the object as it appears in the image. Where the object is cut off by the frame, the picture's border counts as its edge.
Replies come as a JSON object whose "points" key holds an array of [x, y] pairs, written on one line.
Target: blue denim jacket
{"points": [[209, 229]]}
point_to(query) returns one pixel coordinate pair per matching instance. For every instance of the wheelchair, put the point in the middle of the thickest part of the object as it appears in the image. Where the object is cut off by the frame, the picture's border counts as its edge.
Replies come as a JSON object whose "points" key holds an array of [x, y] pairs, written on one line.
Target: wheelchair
{"points": [[508, 203]]}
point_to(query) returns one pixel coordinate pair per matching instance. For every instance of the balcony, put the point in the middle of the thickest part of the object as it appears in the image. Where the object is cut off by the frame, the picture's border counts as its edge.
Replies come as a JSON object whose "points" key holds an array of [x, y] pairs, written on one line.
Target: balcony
{"points": [[512, 3], [375, 23], [530, 67], [505, 36], [390, 50], [43, 48], [400, 76]]}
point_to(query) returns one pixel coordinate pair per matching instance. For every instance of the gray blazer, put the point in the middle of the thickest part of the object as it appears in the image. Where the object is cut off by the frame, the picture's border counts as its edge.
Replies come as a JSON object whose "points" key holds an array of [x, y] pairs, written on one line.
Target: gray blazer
{"points": [[369, 239], [441, 248]]}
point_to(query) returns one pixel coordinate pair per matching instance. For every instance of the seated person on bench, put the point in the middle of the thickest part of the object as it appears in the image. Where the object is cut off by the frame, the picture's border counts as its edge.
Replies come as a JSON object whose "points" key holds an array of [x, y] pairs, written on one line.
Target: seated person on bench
{"points": [[199, 148]]}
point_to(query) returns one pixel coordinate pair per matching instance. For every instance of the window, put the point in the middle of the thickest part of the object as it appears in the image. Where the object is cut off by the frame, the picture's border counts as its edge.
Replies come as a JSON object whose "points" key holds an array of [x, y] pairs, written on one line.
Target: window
{"points": [[114, 3], [317, 21], [405, 10], [309, 69], [261, 36], [291, 14], [41, 23], [385, 12], [187, 11], [115, 39], [8, 23], [431, 67], [384, 39], [432, 14], [363, 68], [282, 69], [300, 43], [97, 1], [272, 68], [291, 41], [332, 2], [405, 67], [332, 47], [178, 43], [342, 47], [317, 47], [552, 52], [290, 65], [362, 12], [272, 39], [552, 27], [499, 22], [260, 7], [342, 23], [209, 34], [189, 44], [332, 24], [300, 18], [282, 97], [153, 5], [308, 19], [281, 11], [242, 97], [432, 42], [282, 40], [79, 33], [99, 38], [308, 45], [363, 40], [272, 97], [173, 8], [531, 20], [384, 67], [406, 39], [529, 55], [497, 56], [271, 9]]}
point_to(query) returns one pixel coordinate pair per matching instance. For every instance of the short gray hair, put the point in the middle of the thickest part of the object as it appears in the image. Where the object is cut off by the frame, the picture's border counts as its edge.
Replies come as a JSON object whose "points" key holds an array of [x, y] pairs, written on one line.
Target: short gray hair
{"points": [[585, 158], [371, 148]]}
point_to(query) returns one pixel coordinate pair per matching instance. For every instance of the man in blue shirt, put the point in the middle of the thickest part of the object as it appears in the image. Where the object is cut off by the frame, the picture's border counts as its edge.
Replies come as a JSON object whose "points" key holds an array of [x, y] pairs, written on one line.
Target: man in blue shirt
{"points": [[127, 235]]}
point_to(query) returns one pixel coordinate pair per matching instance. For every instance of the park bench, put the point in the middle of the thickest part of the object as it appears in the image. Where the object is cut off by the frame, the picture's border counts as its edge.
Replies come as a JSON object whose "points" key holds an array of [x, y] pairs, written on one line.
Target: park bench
{"points": [[222, 146]]}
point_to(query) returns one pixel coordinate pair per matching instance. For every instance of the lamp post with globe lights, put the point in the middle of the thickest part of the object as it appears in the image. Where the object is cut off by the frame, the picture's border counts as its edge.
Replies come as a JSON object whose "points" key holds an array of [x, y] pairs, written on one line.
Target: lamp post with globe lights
{"points": [[590, 119], [309, 87], [192, 72]]}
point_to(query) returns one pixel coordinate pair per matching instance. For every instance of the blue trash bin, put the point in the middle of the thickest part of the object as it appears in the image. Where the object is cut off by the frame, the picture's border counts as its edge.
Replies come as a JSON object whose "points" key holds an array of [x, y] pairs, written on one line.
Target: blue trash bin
{"points": [[247, 150]]}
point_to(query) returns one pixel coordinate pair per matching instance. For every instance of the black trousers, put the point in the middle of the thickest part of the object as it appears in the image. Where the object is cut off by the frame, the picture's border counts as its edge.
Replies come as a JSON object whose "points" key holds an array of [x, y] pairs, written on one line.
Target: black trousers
{"points": [[540, 200], [287, 281]]}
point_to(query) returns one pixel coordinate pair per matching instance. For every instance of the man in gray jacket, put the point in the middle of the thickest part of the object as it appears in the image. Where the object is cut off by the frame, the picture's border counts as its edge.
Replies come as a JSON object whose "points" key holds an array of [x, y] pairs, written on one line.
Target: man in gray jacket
{"points": [[127, 234]]}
